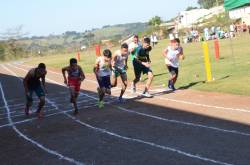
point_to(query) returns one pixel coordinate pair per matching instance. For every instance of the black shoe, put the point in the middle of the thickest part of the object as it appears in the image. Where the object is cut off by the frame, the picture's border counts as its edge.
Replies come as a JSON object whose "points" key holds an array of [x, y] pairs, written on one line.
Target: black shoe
{"points": [[169, 84], [26, 111], [76, 112], [173, 88]]}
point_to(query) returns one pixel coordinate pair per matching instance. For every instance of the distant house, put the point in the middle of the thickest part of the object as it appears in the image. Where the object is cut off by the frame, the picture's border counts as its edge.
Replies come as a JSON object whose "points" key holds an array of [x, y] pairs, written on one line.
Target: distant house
{"points": [[186, 19], [238, 9], [171, 28], [127, 39], [107, 43]]}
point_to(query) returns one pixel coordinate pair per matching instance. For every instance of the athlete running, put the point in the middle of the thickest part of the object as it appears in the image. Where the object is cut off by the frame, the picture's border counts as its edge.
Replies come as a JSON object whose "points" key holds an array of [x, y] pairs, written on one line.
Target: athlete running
{"points": [[172, 54], [32, 83], [102, 71], [142, 64], [75, 78], [119, 68]]}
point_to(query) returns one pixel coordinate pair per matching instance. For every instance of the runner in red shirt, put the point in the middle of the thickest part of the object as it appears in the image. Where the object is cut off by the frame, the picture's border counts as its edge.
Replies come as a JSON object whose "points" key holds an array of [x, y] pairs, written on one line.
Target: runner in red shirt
{"points": [[75, 77]]}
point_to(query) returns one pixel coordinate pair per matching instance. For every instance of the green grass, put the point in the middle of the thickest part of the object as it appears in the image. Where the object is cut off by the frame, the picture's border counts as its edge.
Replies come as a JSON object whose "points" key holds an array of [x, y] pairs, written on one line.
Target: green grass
{"points": [[231, 73]]}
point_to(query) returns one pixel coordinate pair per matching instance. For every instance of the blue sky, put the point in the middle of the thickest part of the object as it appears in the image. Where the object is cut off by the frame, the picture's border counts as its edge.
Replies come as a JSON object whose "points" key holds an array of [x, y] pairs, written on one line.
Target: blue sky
{"points": [[43, 17]]}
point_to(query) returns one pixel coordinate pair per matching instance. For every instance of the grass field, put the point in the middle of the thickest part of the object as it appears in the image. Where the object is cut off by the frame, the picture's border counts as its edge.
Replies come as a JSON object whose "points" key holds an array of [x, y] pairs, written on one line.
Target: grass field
{"points": [[231, 74]]}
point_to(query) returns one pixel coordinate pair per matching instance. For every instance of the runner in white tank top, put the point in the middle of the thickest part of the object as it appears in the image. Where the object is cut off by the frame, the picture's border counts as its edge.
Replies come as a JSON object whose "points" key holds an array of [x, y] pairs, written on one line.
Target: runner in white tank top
{"points": [[102, 71], [172, 54], [119, 65]]}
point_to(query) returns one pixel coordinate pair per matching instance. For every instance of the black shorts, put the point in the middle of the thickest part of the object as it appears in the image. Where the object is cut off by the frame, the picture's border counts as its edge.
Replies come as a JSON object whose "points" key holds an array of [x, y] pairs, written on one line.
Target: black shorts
{"points": [[139, 68], [173, 70], [104, 82]]}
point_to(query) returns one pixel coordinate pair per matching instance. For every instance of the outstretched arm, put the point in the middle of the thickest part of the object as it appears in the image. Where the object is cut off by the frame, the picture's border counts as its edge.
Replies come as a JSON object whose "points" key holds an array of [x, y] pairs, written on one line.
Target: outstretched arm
{"points": [[43, 82], [181, 55], [82, 75], [96, 67], [165, 52], [25, 82], [126, 63], [114, 57], [64, 75]]}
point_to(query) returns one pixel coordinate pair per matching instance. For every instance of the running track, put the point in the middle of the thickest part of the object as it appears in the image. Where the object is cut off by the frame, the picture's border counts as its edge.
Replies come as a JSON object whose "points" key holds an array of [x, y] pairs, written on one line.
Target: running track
{"points": [[166, 129]]}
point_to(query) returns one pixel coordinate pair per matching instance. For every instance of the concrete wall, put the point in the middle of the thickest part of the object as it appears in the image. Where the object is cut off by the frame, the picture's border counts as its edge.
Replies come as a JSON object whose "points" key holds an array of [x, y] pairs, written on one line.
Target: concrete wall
{"points": [[239, 12]]}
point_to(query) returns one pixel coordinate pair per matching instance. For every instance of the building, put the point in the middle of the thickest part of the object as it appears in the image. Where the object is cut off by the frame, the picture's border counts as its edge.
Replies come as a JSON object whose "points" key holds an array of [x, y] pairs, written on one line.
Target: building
{"points": [[127, 39], [238, 9], [187, 19]]}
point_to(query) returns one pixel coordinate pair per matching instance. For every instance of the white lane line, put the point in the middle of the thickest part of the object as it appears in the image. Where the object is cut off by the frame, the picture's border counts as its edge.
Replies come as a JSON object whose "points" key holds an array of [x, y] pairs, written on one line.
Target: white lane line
{"points": [[29, 120], [194, 156], [22, 114], [18, 108], [11, 106], [205, 105], [48, 115], [22, 107], [185, 123], [3, 114], [177, 121], [52, 152], [167, 120], [55, 96], [188, 102]]}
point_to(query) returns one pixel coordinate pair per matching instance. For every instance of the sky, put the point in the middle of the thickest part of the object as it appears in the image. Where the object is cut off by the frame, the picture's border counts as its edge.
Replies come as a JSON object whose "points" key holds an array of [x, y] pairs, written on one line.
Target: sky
{"points": [[44, 17]]}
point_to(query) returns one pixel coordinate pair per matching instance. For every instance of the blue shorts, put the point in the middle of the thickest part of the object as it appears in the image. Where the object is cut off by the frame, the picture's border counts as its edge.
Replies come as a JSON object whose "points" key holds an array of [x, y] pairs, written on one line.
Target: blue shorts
{"points": [[38, 90], [104, 82]]}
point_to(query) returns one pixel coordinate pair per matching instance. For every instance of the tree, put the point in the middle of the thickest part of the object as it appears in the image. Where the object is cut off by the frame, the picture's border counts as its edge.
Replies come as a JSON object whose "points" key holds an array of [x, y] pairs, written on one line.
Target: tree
{"points": [[155, 21], [210, 3], [2, 50], [13, 33], [89, 37], [10, 37]]}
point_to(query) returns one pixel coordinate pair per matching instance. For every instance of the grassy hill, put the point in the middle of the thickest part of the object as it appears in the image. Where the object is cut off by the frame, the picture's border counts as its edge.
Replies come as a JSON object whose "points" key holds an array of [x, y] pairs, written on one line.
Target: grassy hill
{"points": [[67, 42], [231, 73], [119, 31]]}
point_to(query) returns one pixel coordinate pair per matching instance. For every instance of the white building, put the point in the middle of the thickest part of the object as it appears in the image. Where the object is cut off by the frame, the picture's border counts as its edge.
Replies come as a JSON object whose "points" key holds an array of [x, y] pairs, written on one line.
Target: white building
{"points": [[188, 18], [242, 12], [238, 9]]}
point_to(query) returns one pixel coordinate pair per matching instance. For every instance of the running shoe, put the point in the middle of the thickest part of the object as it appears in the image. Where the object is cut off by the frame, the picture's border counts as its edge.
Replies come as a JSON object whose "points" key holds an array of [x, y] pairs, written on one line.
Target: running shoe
{"points": [[39, 115], [26, 111], [76, 112], [169, 84], [146, 94], [133, 88], [100, 104], [173, 88], [121, 100]]}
